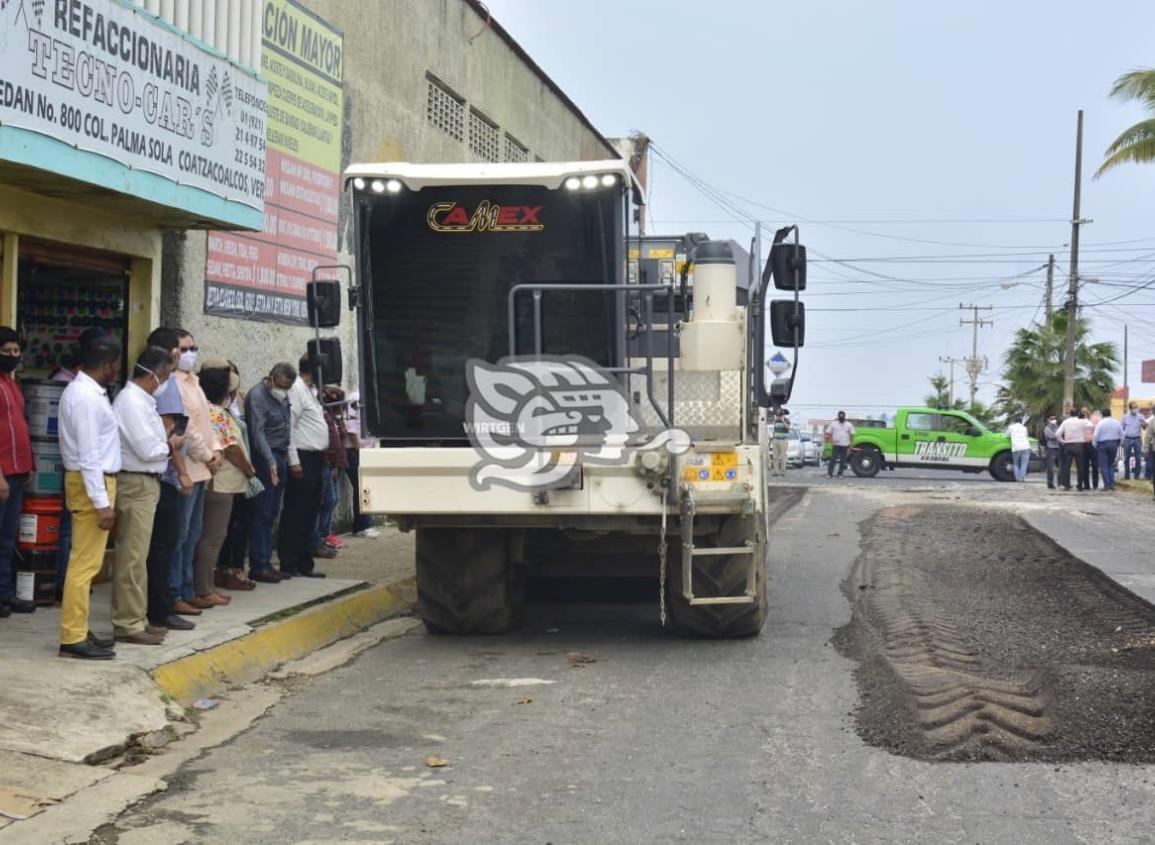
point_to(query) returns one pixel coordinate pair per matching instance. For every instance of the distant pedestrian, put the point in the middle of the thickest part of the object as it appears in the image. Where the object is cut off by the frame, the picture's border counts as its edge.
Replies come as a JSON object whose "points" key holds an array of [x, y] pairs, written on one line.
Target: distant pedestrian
{"points": [[1020, 448], [841, 436], [144, 451], [308, 443], [1071, 438], [90, 452], [269, 422], [354, 443], [1148, 444], [1090, 453], [1053, 447], [1106, 437], [1133, 425], [16, 463], [780, 443]]}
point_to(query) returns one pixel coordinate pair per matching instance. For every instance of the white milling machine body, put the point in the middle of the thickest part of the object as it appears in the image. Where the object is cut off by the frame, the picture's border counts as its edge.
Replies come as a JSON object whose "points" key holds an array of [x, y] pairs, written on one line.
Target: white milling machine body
{"points": [[503, 263]]}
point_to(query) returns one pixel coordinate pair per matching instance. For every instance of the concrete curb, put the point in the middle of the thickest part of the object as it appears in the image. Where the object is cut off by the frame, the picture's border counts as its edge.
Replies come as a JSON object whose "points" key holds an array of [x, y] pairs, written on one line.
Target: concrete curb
{"points": [[244, 660]]}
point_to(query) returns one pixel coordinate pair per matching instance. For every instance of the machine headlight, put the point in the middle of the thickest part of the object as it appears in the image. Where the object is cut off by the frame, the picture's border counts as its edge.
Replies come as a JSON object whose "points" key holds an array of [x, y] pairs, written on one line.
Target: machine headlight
{"points": [[393, 186], [359, 183], [573, 183], [609, 180], [590, 181], [378, 186]]}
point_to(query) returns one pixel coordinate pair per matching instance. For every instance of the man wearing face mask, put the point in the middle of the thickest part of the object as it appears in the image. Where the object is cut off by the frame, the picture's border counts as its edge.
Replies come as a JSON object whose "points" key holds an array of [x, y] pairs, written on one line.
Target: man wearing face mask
{"points": [[15, 465], [90, 451], [269, 421], [144, 453], [204, 459]]}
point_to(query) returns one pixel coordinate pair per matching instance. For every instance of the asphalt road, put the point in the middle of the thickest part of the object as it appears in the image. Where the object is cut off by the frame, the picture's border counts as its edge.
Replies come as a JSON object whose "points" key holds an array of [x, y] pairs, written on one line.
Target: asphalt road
{"points": [[623, 734]]}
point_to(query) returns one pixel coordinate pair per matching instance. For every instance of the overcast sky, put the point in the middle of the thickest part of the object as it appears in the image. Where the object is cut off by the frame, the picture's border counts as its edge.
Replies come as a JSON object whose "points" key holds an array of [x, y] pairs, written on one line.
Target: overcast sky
{"points": [[884, 123]]}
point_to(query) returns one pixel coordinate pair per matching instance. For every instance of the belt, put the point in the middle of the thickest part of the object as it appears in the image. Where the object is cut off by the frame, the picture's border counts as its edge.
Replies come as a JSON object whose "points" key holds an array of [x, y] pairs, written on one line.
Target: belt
{"points": [[155, 475]]}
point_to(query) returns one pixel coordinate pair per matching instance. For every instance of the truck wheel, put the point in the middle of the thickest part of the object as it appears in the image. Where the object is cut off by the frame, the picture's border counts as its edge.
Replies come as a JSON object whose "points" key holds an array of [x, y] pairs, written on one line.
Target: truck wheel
{"points": [[1003, 467], [466, 582], [719, 575], [866, 462]]}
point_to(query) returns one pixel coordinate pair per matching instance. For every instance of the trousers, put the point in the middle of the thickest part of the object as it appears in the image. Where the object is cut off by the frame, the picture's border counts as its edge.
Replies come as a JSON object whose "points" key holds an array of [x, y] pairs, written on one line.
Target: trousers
{"points": [[136, 499], [89, 542]]}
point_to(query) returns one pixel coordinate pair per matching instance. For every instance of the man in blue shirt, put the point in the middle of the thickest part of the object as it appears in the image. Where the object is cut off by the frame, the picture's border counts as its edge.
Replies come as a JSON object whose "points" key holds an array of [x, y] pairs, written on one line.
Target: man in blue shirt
{"points": [[1133, 425]]}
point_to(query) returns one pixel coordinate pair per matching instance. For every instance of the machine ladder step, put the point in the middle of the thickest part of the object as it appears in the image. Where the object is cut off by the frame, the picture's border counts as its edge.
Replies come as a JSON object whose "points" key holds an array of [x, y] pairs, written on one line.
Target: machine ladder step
{"points": [[691, 551]]}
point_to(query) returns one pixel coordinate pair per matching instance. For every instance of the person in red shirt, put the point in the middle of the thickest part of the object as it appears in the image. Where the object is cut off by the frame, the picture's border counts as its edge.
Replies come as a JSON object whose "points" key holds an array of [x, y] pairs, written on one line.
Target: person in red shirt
{"points": [[15, 466]]}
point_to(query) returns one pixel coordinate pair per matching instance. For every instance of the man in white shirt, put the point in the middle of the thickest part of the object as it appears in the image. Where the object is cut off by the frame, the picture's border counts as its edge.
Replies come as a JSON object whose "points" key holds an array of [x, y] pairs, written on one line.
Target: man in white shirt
{"points": [[1071, 434], [144, 454], [90, 452], [1020, 448], [841, 436], [308, 442]]}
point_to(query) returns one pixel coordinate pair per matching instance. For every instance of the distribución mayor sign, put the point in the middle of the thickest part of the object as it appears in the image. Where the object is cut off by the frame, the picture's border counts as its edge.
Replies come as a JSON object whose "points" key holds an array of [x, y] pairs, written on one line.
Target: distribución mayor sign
{"points": [[108, 79], [262, 275]]}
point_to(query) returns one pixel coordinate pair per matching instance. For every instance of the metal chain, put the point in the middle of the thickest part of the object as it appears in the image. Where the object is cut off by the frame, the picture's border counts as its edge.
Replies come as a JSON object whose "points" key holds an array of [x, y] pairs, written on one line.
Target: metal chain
{"points": [[662, 563]]}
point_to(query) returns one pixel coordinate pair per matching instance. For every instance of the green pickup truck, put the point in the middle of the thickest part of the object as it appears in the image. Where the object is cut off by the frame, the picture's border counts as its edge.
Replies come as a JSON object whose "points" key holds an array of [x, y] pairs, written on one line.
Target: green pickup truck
{"points": [[934, 439]]}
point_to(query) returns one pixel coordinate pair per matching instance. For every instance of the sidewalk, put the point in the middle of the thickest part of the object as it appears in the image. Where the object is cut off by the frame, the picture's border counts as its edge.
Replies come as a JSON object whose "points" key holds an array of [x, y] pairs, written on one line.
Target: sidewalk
{"points": [[83, 712]]}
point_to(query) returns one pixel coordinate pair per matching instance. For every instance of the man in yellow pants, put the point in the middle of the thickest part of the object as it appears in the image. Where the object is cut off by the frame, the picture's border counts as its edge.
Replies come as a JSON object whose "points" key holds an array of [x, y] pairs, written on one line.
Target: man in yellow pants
{"points": [[90, 451]]}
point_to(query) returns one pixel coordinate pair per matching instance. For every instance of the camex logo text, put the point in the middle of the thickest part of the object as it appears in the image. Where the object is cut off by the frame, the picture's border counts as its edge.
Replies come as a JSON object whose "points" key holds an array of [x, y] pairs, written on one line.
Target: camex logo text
{"points": [[487, 217]]}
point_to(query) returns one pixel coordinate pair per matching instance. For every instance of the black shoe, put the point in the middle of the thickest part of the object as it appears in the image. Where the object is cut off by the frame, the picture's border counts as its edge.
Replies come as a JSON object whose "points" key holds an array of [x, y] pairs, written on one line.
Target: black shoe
{"points": [[5, 611], [86, 651], [1050, 486], [100, 642], [312, 574], [178, 623], [287, 574], [267, 576], [22, 606]]}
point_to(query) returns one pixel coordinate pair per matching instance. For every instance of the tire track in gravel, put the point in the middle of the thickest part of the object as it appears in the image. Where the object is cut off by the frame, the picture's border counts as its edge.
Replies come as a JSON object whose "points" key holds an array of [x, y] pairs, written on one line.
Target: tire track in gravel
{"points": [[954, 609]]}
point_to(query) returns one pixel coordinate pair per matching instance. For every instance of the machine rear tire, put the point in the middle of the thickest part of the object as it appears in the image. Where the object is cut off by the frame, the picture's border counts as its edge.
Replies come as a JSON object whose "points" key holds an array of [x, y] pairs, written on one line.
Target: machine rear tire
{"points": [[466, 582], [719, 576], [866, 462]]}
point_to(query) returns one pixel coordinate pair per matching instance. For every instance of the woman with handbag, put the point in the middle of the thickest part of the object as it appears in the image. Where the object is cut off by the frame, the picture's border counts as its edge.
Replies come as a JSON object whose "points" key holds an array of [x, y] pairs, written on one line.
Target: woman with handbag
{"points": [[236, 475]]}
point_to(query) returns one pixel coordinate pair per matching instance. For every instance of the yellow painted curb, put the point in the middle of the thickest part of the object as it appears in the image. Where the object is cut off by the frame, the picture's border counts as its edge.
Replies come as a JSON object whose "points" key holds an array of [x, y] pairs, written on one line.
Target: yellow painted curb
{"points": [[248, 658]]}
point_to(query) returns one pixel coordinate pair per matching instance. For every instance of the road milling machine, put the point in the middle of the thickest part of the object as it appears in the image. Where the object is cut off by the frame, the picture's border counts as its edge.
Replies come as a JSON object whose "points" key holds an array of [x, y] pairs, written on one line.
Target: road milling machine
{"points": [[557, 395]]}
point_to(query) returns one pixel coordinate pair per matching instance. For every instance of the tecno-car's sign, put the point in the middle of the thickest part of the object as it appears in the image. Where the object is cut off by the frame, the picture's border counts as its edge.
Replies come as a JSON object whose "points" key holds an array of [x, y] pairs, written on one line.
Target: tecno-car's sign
{"points": [[108, 79]]}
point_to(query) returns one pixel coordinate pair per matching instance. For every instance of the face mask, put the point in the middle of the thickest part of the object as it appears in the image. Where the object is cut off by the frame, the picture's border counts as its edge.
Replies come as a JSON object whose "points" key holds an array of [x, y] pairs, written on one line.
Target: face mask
{"points": [[188, 360], [8, 363], [280, 394]]}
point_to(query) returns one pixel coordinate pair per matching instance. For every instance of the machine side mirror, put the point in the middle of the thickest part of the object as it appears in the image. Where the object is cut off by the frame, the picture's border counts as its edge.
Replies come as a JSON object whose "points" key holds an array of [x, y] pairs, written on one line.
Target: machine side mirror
{"points": [[323, 301], [788, 323], [788, 266], [779, 391], [972, 431]]}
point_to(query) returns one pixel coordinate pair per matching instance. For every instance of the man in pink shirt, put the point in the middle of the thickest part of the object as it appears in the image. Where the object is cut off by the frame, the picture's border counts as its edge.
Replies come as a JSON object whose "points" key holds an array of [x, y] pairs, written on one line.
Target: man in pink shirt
{"points": [[204, 459]]}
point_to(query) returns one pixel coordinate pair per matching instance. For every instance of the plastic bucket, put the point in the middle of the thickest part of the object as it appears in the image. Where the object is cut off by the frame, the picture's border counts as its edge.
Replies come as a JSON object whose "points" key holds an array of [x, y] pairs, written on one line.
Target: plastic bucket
{"points": [[40, 521], [36, 574], [42, 405], [48, 477]]}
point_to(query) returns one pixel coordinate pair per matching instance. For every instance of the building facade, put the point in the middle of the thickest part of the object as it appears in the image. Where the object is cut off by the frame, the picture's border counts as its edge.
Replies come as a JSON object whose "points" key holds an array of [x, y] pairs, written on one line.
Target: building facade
{"points": [[118, 121], [378, 80]]}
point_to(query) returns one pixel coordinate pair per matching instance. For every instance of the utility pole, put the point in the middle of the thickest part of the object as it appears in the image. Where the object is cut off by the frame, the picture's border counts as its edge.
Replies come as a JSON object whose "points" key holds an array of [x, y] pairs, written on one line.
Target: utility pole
{"points": [[946, 359], [974, 364], [1126, 388], [1050, 287], [1073, 283]]}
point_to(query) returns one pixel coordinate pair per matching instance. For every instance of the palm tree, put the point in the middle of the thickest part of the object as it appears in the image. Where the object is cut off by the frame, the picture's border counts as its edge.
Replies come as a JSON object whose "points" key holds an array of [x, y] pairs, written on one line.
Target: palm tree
{"points": [[1137, 143], [1033, 370], [940, 399]]}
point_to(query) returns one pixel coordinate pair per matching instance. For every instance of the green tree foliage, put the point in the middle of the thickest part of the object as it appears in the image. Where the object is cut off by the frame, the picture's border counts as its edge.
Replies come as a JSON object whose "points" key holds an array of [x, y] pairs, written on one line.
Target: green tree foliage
{"points": [[940, 399], [1137, 143], [1033, 370]]}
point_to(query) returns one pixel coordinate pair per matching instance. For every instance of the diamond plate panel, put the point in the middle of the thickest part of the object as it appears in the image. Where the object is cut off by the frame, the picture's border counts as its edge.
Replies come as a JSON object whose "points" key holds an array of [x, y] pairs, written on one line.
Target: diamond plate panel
{"points": [[705, 404]]}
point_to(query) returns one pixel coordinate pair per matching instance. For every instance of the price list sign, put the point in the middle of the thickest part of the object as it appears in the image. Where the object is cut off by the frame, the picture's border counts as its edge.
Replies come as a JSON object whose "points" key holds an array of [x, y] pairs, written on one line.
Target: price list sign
{"points": [[262, 275]]}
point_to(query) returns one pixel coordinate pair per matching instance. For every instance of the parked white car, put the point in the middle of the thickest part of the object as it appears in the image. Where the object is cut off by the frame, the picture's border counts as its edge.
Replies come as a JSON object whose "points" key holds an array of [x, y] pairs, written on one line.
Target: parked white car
{"points": [[810, 451], [794, 454]]}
